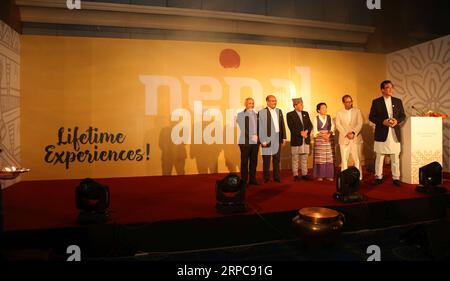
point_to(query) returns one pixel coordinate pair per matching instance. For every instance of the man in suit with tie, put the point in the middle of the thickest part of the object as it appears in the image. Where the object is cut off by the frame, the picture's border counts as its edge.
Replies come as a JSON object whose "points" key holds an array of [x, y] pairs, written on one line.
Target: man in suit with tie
{"points": [[349, 122], [300, 126], [387, 113], [272, 134], [248, 141]]}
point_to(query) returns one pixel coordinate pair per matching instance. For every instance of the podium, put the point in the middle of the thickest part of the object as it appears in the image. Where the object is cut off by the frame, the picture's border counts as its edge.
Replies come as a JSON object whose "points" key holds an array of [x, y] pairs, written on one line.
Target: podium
{"points": [[421, 145]]}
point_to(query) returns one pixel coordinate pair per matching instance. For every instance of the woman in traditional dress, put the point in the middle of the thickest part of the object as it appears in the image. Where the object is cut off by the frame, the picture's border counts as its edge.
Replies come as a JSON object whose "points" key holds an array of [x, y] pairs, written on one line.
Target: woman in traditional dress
{"points": [[323, 144]]}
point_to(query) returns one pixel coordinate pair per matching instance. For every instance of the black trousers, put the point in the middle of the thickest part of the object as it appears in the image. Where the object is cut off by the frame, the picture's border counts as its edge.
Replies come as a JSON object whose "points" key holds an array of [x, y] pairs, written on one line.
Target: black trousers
{"points": [[249, 161], [275, 164]]}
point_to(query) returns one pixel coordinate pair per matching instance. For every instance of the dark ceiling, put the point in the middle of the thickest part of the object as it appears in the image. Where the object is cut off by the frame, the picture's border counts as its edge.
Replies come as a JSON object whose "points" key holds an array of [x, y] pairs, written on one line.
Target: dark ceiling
{"points": [[399, 24]]}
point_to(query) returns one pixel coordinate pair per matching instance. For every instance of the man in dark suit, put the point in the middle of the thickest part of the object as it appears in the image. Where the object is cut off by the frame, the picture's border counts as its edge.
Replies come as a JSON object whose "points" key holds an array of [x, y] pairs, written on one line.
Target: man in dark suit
{"points": [[300, 126], [387, 113], [248, 141], [272, 134]]}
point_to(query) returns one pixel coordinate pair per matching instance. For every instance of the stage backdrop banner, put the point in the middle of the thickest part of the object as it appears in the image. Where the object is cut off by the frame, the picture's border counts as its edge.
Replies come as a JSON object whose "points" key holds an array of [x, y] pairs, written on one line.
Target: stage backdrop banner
{"points": [[9, 100], [96, 107]]}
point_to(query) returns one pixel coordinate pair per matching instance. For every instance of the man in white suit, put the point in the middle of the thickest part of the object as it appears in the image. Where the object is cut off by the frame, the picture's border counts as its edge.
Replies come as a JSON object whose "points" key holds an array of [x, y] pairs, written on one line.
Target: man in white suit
{"points": [[349, 123]]}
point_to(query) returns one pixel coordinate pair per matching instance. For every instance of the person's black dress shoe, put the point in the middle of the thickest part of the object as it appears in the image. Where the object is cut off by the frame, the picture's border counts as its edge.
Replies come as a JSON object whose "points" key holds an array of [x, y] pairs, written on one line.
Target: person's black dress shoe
{"points": [[254, 183], [397, 183], [306, 178], [295, 178], [266, 180], [277, 180], [377, 181]]}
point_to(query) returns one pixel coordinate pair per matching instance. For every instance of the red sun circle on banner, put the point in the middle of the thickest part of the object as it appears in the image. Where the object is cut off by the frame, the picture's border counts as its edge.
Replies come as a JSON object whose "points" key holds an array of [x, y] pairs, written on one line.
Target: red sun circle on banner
{"points": [[229, 58]]}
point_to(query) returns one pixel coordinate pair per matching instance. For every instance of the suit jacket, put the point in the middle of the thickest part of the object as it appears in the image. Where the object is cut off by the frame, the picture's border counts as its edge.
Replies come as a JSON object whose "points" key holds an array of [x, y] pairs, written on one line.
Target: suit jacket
{"points": [[344, 127], [296, 126], [243, 121], [265, 135], [378, 113]]}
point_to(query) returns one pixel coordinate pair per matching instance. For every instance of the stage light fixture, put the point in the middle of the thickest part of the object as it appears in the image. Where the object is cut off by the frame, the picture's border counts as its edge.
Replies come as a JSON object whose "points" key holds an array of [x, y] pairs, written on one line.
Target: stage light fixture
{"points": [[347, 185], [430, 179], [92, 199], [230, 194]]}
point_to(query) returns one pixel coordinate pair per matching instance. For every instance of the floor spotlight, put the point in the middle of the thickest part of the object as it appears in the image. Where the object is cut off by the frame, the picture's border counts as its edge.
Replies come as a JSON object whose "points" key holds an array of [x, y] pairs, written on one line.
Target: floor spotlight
{"points": [[347, 185], [230, 194], [430, 179], [92, 199]]}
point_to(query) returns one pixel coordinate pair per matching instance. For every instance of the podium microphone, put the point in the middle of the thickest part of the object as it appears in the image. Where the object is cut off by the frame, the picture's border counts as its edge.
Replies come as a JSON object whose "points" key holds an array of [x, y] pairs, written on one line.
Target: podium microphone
{"points": [[420, 112]]}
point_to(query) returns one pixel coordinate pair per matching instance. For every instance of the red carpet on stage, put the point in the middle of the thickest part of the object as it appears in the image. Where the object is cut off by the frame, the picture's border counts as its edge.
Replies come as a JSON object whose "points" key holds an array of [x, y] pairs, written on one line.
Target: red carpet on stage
{"points": [[51, 204]]}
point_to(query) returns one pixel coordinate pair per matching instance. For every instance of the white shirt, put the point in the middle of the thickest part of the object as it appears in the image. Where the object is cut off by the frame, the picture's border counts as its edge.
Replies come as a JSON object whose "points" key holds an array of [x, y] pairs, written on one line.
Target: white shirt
{"points": [[388, 103], [349, 115], [274, 114], [299, 113], [252, 118]]}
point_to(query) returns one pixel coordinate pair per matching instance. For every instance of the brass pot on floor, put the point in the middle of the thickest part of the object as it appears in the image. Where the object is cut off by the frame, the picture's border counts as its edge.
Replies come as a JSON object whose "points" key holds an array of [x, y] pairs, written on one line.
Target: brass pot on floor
{"points": [[318, 226]]}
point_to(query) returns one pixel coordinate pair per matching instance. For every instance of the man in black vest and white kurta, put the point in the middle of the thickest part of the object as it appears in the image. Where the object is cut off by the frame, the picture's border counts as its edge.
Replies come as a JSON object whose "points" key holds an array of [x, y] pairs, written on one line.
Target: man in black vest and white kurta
{"points": [[387, 113]]}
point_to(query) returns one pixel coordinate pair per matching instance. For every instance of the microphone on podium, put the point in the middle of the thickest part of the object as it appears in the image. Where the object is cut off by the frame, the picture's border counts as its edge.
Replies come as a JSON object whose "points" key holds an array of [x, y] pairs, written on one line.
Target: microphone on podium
{"points": [[418, 111]]}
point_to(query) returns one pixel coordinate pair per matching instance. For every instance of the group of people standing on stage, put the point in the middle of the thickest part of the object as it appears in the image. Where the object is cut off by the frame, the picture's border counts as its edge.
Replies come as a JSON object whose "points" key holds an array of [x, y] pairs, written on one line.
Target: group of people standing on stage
{"points": [[266, 128]]}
